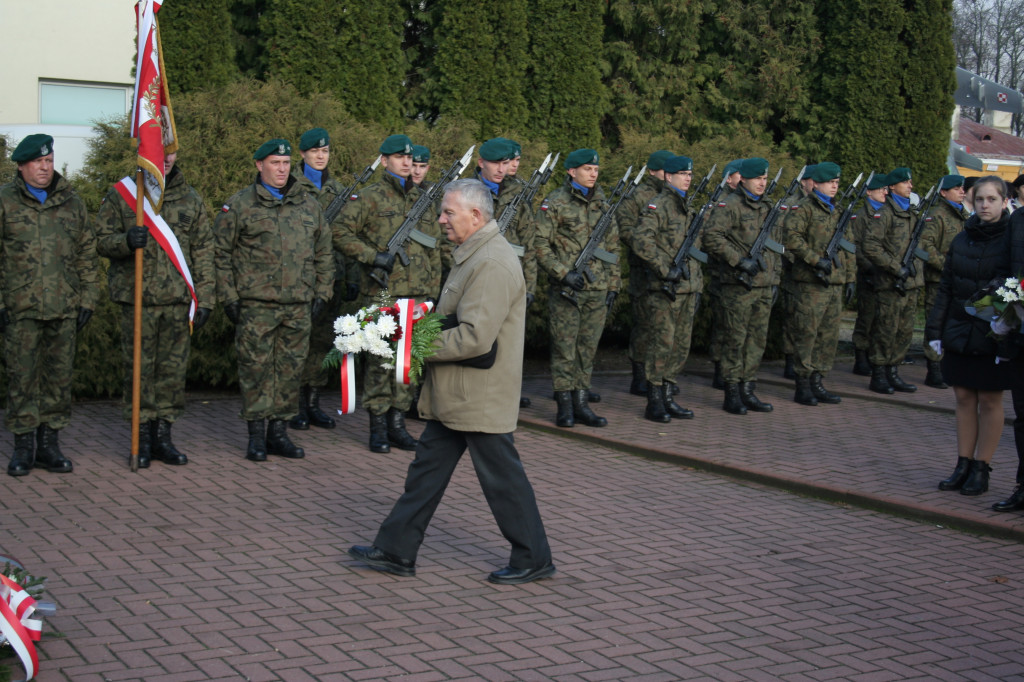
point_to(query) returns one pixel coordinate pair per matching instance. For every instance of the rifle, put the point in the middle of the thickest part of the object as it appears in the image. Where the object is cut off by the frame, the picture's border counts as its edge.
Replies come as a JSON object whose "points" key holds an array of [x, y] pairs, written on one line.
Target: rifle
{"points": [[838, 241], [771, 185], [687, 250], [913, 249], [544, 177], [407, 230], [764, 237], [700, 188], [629, 191], [338, 202], [512, 209], [591, 250]]}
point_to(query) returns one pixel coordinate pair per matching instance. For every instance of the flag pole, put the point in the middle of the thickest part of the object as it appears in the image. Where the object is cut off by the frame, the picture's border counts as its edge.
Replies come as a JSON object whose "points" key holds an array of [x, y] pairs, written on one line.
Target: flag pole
{"points": [[137, 337]]}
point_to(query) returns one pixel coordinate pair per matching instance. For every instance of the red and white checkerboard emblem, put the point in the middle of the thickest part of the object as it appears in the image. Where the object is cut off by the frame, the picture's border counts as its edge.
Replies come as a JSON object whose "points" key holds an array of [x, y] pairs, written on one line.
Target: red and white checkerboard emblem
{"points": [[1001, 97]]}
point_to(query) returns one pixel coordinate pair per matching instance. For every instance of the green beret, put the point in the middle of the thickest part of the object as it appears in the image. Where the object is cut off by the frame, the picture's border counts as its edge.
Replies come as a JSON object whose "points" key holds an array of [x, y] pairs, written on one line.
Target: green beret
{"points": [[677, 164], [823, 172], [897, 175], [951, 181], [517, 149], [878, 181], [581, 157], [317, 137], [753, 168], [732, 167], [656, 161], [277, 146], [396, 144], [32, 147], [809, 171], [496, 149], [420, 154]]}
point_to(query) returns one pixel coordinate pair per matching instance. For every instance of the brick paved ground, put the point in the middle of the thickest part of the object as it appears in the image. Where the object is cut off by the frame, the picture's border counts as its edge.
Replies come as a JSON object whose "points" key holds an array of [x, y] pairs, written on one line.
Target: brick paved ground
{"points": [[229, 570]]}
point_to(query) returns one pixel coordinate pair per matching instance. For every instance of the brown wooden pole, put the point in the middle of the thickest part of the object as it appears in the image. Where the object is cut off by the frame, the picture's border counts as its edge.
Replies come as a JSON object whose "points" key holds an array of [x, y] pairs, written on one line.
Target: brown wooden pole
{"points": [[137, 340]]}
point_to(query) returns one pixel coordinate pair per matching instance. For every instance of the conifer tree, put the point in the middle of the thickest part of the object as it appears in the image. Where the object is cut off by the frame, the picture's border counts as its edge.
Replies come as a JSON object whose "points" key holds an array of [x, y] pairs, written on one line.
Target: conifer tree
{"points": [[196, 39]]}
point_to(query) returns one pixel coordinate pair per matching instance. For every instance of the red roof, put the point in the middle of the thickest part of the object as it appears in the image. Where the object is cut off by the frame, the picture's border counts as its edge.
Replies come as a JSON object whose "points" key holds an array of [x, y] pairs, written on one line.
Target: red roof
{"points": [[985, 142]]}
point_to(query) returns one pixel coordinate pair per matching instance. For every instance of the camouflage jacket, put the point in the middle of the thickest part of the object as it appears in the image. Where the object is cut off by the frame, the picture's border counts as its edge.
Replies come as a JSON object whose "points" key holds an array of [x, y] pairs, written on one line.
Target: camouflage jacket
{"points": [[48, 265], [522, 231], [664, 222], [273, 250], [944, 223], [565, 221], [329, 189], [370, 219], [732, 228], [809, 227], [630, 209], [186, 215], [884, 240]]}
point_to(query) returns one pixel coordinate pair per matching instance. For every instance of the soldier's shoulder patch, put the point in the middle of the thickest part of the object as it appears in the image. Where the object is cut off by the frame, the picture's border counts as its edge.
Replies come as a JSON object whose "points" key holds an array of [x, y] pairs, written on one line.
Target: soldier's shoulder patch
{"points": [[721, 204], [929, 219], [544, 205], [353, 197], [652, 206], [225, 208], [853, 217], [877, 216]]}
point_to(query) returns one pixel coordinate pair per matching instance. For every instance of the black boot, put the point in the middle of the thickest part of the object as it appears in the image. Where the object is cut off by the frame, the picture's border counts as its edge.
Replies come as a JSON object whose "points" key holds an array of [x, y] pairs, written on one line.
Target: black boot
{"points": [[564, 417], [733, 404], [977, 478], [48, 454], [257, 450], [803, 394], [879, 381], [163, 448], [23, 458], [674, 410], [397, 435], [717, 381], [278, 442], [593, 397], [789, 372], [674, 391], [638, 386], [317, 417], [524, 401], [861, 366], [821, 393], [145, 444], [300, 422], [379, 432], [896, 382], [581, 411], [655, 411], [934, 377], [959, 475], [1012, 503], [751, 401]]}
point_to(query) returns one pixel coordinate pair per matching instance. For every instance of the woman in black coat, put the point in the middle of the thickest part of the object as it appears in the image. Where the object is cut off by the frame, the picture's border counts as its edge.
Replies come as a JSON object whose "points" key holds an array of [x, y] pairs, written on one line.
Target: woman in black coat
{"points": [[969, 350]]}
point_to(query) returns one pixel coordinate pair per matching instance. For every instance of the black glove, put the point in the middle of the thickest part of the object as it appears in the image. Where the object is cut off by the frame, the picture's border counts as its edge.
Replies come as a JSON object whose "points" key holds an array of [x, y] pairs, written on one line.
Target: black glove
{"points": [[384, 261], [824, 265], [675, 273], [202, 315], [5, 319], [575, 280], [233, 310], [530, 298], [850, 292], [317, 308], [84, 315], [749, 266], [351, 291], [609, 300], [905, 273], [136, 237]]}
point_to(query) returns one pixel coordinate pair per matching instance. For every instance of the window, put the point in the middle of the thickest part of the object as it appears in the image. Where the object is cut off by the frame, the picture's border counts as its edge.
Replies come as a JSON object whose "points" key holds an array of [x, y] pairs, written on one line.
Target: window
{"points": [[80, 104]]}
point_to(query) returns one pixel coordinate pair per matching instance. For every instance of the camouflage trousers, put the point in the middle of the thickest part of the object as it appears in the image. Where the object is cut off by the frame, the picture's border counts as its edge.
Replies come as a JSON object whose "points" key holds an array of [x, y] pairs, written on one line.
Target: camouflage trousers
{"points": [[639, 333], [670, 329], [743, 328], [272, 340], [867, 313], [786, 307], [321, 340], [814, 323], [931, 289], [40, 355], [165, 348], [713, 290], [575, 333], [894, 327], [381, 391]]}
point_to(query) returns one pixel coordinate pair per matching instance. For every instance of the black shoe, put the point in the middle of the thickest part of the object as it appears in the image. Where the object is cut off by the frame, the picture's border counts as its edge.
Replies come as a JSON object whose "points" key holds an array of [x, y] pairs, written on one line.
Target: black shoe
{"points": [[519, 576], [382, 561], [593, 397], [655, 411], [162, 447], [934, 376], [803, 395], [564, 417], [977, 479], [48, 454], [257, 450], [524, 401], [880, 382], [317, 417], [821, 393], [278, 442], [674, 410], [896, 382], [789, 372], [397, 435], [1012, 503], [24, 455], [638, 385], [581, 411], [379, 433], [861, 366], [717, 381], [145, 444], [751, 401], [959, 475], [300, 422], [733, 404]]}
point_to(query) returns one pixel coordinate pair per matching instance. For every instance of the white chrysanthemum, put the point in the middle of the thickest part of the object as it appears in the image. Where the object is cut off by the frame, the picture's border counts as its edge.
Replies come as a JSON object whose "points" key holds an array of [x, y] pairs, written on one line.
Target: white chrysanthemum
{"points": [[371, 331], [1007, 295], [386, 325], [379, 347], [352, 343], [346, 324], [387, 365], [363, 312]]}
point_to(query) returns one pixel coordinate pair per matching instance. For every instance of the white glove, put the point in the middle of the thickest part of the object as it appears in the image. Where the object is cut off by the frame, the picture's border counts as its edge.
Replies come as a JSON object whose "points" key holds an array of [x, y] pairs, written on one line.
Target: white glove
{"points": [[1000, 328], [936, 346]]}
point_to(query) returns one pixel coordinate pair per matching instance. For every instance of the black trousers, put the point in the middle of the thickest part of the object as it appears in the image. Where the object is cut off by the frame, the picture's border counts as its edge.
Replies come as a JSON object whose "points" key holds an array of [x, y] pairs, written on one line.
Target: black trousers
{"points": [[1018, 430], [502, 478]]}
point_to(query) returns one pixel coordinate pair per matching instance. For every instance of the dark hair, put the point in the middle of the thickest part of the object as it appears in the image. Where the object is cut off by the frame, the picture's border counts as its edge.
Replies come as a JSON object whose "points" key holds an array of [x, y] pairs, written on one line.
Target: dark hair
{"points": [[993, 180], [1019, 181]]}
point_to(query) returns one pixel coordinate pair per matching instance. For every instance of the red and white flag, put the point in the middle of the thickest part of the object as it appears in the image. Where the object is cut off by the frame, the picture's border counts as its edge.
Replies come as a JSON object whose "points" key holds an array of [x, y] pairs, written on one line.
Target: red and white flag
{"points": [[152, 120]]}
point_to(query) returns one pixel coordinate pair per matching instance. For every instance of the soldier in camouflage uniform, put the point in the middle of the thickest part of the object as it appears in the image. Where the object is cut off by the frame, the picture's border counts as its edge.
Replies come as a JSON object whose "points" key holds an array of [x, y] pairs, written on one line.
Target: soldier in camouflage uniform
{"points": [[817, 285], [886, 237], [577, 306], [945, 222], [275, 272], [732, 229], [362, 232], [420, 166], [786, 286], [166, 300], [669, 298], [48, 290], [731, 175], [867, 305]]}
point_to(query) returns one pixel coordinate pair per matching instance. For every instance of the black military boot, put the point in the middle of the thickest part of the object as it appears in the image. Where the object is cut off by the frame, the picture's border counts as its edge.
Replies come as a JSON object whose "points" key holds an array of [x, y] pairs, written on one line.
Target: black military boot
{"points": [[934, 377], [638, 386], [145, 444], [898, 384], [581, 411], [789, 372], [674, 410], [977, 478], [717, 381], [278, 442], [821, 393], [300, 422], [803, 394], [48, 454], [564, 417], [317, 417], [379, 432], [751, 401], [733, 404], [397, 435], [655, 411], [959, 475], [257, 450], [163, 448], [23, 457], [593, 397], [524, 401], [879, 381], [861, 366], [1012, 503]]}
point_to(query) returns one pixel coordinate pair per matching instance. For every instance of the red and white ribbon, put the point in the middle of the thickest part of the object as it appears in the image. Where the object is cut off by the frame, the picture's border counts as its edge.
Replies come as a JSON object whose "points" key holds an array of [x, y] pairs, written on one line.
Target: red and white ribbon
{"points": [[348, 384], [21, 631], [409, 312]]}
